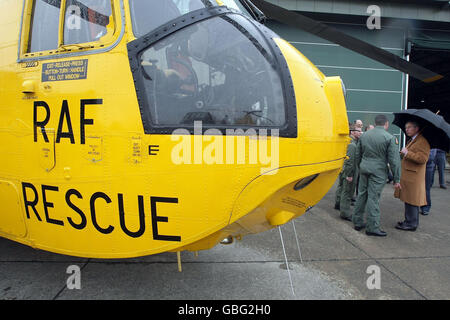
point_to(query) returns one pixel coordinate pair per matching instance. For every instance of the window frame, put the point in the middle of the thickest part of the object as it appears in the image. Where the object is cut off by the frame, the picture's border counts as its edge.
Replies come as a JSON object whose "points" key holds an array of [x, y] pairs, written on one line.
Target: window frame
{"points": [[136, 47], [109, 41]]}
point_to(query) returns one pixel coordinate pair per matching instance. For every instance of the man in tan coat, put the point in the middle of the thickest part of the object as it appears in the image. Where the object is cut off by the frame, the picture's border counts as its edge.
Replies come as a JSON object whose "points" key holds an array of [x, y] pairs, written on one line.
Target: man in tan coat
{"points": [[412, 182]]}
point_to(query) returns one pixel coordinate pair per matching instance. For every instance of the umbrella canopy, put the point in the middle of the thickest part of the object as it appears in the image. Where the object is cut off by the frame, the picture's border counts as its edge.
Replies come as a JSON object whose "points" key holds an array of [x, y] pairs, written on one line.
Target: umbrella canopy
{"points": [[433, 127]]}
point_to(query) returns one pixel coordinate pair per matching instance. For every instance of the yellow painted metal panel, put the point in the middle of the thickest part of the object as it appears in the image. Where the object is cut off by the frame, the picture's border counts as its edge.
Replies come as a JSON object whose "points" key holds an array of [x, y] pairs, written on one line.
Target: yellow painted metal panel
{"points": [[93, 184]]}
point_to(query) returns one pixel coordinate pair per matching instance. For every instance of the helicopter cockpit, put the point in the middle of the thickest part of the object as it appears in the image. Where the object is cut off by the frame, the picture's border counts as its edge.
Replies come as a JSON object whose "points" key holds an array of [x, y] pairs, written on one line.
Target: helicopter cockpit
{"points": [[220, 70]]}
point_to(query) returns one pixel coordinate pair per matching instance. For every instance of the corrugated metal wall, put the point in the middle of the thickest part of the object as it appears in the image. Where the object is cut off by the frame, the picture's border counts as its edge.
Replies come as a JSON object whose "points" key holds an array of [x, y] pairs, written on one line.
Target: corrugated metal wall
{"points": [[372, 88]]}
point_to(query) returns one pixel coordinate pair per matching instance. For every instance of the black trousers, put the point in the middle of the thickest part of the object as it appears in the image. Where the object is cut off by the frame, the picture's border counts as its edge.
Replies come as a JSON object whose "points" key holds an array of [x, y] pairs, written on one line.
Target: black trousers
{"points": [[411, 215]]}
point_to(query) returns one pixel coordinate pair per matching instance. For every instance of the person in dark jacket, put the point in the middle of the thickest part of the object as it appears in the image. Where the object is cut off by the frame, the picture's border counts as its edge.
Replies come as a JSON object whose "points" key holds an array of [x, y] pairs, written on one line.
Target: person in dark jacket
{"points": [[429, 174], [440, 165]]}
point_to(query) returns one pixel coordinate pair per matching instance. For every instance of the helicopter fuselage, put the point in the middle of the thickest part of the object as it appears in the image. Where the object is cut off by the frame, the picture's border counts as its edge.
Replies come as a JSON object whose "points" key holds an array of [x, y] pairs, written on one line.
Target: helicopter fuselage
{"points": [[96, 161]]}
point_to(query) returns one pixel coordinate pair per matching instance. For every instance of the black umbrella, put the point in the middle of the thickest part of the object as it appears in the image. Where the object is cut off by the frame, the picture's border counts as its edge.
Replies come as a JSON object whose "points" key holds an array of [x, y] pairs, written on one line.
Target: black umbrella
{"points": [[432, 126]]}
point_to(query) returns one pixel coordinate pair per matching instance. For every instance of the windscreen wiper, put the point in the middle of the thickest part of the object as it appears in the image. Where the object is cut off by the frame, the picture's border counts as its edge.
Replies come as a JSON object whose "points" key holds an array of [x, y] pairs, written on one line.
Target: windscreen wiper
{"points": [[254, 11]]}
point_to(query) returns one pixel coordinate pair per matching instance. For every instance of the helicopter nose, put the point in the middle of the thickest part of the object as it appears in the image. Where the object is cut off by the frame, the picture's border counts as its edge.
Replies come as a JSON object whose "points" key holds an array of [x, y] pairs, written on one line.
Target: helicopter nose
{"points": [[316, 155], [336, 93], [321, 108]]}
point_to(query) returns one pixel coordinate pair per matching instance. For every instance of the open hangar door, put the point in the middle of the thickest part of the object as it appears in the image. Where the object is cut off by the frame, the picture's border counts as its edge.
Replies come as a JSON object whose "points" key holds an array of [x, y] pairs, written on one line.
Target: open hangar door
{"points": [[435, 96]]}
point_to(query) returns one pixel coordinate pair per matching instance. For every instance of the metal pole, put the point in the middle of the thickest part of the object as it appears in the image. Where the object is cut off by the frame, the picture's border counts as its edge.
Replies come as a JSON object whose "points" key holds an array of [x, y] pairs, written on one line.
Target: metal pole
{"points": [[285, 258], [298, 244]]}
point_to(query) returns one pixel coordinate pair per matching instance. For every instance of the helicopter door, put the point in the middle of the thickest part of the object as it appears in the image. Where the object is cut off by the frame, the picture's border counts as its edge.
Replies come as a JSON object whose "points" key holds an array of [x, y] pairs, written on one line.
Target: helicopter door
{"points": [[55, 72], [56, 104]]}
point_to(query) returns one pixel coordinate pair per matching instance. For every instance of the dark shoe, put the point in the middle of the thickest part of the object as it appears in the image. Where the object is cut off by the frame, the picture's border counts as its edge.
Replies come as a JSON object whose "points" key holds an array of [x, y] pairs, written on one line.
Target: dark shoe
{"points": [[405, 227], [424, 213], [346, 218], [376, 233], [442, 187], [358, 228], [337, 207]]}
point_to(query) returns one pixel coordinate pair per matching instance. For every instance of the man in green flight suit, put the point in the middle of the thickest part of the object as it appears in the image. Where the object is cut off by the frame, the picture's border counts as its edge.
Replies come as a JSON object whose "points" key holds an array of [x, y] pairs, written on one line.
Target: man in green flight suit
{"points": [[376, 148], [348, 175]]}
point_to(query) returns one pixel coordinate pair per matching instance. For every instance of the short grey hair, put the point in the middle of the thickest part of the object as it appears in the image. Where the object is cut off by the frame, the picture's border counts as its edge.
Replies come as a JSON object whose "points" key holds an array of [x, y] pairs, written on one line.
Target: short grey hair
{"points": [[414, 123]]}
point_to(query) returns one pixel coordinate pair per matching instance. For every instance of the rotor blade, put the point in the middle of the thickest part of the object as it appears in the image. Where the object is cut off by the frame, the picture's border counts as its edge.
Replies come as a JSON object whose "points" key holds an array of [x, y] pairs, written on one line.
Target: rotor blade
{"points": [[324, 31]]}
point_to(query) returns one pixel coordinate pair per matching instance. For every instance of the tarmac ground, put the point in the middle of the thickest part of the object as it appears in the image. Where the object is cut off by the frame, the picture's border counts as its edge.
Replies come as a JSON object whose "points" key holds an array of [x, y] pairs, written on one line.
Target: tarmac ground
{"points": [[334, 262]]}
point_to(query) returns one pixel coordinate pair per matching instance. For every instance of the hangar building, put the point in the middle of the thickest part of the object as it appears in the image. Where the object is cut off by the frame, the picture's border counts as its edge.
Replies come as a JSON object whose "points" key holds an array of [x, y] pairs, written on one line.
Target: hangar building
{"points": [[417, 30]]}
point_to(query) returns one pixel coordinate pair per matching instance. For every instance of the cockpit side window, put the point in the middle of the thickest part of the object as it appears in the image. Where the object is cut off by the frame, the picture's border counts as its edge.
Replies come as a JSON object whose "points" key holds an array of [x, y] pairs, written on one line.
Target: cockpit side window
{"points": [[148, 15], [44, 26], [86, 20], [52, 26]]}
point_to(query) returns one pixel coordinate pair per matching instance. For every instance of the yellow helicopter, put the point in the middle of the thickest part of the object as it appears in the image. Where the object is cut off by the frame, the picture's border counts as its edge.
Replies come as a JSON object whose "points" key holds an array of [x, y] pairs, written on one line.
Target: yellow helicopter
{"points": [[132, 127]]}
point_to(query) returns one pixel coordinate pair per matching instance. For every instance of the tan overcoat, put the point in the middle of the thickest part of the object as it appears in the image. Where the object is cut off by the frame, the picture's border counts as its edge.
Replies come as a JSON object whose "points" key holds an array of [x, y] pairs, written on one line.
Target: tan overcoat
{"points": [[412, 179]]}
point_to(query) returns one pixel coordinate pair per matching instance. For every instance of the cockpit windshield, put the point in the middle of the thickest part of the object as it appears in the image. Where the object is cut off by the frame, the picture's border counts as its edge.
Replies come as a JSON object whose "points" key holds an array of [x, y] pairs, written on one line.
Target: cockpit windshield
{"points": [[219, 71], [147, 15]]}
